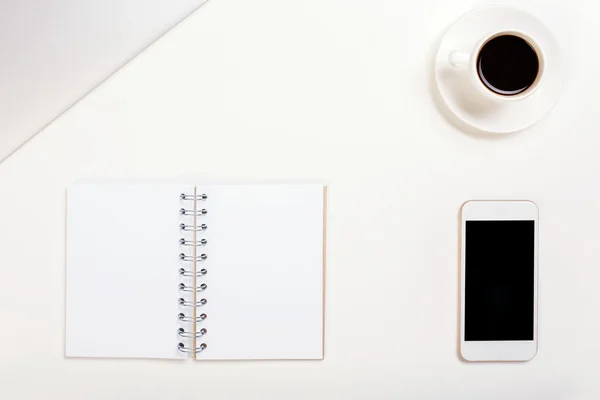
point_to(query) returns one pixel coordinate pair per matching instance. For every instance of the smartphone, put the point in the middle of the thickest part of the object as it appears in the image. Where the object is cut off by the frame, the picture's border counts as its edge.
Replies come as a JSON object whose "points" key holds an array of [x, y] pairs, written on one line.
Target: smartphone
{"points": [[499, 281]]}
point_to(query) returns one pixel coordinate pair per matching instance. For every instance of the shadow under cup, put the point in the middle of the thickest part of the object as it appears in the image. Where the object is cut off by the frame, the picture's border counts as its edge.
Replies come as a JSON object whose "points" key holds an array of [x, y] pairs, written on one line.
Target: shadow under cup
{"points": [[508, 65]]}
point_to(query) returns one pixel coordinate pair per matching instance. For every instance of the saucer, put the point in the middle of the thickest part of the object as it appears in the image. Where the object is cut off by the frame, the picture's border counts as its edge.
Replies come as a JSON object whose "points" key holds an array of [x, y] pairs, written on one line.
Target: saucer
{"points": [[486, 116]]}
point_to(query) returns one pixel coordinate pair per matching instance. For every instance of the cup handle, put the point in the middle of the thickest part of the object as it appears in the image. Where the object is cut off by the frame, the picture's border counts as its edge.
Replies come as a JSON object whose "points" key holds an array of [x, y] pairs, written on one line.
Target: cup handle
{"points": [[458, 59]]}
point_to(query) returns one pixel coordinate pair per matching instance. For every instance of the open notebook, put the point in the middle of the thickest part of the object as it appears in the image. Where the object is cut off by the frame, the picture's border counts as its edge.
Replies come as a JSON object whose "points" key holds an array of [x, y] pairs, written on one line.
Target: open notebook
{"points": [[208, 272]]}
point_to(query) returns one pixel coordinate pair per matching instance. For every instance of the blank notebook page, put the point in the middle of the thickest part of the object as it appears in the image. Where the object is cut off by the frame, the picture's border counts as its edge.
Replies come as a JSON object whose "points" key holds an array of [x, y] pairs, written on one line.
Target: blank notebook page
{"points": [[122, 258], [265, 272]]}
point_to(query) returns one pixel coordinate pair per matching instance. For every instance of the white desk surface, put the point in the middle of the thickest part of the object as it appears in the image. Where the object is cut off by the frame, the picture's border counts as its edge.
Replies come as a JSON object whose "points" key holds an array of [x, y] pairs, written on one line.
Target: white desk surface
{"points": [[332, 90]]}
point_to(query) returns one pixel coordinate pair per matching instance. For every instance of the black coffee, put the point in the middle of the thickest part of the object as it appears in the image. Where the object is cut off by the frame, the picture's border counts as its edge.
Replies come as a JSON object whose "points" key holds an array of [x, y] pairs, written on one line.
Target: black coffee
{"points": [[508, 65]]}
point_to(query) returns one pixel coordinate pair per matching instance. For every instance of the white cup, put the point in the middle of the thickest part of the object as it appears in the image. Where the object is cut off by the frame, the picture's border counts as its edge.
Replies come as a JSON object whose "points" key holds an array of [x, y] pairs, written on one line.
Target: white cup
{"points": [[467, 61]]}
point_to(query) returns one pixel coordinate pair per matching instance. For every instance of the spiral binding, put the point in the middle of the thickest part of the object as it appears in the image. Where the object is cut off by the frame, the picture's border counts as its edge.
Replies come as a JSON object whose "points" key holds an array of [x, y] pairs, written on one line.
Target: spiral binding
{"points": [[201, 197], [201, 257], [183, 211], [195, 289], [195, 350], [181, 332], [193, 228], [191, 318], [193, 243], [185, 272], [183, 317], [185, 303]]}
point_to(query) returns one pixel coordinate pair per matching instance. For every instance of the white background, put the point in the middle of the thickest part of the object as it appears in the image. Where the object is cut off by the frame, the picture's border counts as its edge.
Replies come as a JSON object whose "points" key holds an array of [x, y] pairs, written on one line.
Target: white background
{"points": [[55, 51], [341, 91]]}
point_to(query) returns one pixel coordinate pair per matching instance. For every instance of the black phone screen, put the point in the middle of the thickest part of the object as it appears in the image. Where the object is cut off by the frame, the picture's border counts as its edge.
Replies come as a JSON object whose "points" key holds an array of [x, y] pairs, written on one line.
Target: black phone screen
{"points": [[499, 280]]}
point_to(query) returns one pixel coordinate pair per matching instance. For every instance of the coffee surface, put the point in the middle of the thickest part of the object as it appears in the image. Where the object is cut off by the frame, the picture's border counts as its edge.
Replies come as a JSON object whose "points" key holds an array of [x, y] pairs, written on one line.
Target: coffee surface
{"points": [[508, 65]]}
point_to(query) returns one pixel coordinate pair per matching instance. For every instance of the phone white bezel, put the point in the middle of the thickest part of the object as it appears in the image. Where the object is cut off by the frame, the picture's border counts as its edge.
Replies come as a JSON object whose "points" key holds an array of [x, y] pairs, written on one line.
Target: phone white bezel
{"points": [[498, 350]]}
